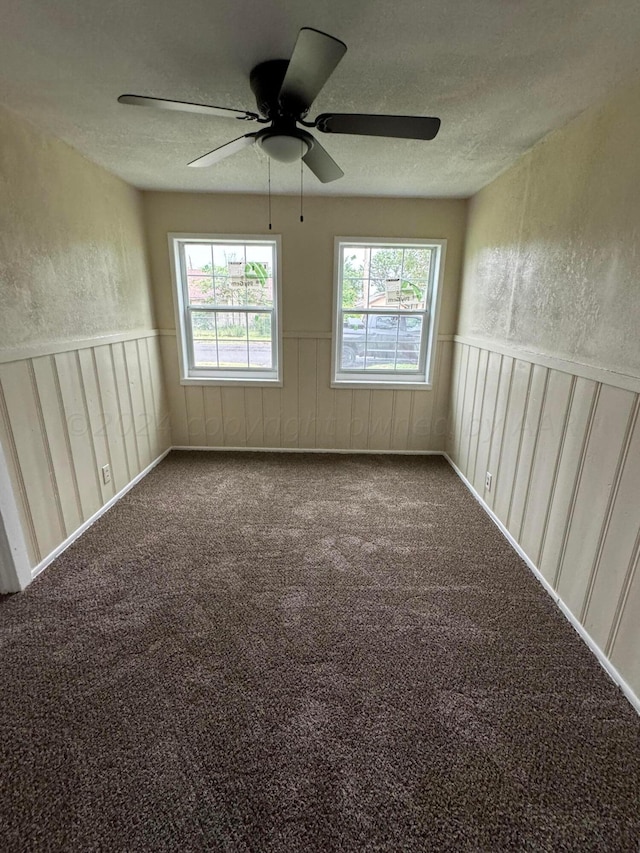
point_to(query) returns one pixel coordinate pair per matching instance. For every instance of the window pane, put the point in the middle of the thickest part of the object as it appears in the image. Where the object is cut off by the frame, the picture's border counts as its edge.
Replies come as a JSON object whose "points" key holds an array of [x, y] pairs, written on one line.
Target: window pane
{"points": [[386, 262], [201, 291], [260, 254], [381, 342], [226, 257], [354, 292], [198, 258], [417, 264], [353, 258], [203, 330], [353, 335], [233, 340], [260, 340]]}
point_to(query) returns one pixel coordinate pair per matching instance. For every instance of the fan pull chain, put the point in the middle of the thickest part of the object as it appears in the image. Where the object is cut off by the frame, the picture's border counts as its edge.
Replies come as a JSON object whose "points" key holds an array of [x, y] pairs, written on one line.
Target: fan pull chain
{"points": [[301, 173], [269, 173]]}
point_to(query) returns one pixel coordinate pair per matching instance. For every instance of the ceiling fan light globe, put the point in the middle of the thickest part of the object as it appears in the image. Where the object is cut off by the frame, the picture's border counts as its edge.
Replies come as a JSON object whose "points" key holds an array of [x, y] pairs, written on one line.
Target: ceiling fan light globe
{"points": [[286, 149]]}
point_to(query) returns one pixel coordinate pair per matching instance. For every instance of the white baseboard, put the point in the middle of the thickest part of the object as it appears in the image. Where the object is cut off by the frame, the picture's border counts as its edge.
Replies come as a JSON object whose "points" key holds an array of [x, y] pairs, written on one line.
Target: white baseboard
{"points": [[312, 450], [85, 526], [604, 661]]}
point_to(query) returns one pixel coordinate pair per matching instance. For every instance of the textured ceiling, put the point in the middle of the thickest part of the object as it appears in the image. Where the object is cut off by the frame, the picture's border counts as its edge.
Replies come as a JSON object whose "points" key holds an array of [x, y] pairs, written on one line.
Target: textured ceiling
{"points": [[500, 73]]}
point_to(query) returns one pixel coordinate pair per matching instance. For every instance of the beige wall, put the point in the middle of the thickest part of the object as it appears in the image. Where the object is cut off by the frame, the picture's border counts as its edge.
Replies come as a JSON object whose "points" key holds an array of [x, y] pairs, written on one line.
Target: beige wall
{"points": [[306, 412], [72, 259], [80, 368], [552, 248], [546, 376]]}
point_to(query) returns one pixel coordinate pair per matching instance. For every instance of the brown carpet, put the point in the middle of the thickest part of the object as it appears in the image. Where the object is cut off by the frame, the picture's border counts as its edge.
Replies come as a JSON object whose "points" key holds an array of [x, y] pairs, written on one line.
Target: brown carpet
{"points": [[271, 652]]}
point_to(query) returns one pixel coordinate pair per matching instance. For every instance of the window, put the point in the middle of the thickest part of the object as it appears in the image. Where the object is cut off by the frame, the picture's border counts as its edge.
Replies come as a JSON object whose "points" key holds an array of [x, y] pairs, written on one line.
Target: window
{"points": [[386, 301], [227, 293]]}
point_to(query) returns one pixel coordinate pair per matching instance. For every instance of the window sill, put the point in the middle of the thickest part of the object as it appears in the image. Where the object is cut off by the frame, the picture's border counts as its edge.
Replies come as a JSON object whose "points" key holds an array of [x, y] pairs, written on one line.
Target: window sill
{"points": [[222, 382], [385, 386]]}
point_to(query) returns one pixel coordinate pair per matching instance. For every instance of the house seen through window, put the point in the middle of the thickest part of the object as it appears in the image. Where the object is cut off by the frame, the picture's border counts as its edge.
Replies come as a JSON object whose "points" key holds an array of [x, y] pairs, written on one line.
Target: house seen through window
{"points": [[386, 307], [227, 300]]}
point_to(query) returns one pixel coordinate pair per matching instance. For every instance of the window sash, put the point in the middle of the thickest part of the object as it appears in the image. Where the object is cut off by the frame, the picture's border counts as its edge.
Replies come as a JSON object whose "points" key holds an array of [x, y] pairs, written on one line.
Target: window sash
{"points": [[239, 369], [418, 372], [397, 246]]}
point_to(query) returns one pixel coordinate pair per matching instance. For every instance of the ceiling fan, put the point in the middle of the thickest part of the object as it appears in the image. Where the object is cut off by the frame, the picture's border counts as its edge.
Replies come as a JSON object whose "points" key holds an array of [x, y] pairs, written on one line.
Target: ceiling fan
{"points": [[284, 91]]}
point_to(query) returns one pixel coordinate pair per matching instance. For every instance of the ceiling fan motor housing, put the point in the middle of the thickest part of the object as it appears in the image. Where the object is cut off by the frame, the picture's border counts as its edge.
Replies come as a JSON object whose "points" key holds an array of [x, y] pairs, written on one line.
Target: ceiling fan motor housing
{"points": [[266, 82]]}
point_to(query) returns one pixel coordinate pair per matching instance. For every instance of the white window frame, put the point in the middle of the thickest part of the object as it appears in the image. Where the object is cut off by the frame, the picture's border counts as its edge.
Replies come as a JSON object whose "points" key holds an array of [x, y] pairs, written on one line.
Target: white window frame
{"points": [[387, 379], [189, 373]]}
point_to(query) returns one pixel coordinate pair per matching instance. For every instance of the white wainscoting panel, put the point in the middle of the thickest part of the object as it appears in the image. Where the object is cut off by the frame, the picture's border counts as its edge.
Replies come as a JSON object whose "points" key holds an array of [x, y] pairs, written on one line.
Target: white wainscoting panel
{"points": [[564, 452], [306, 412], [64, 415]]}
